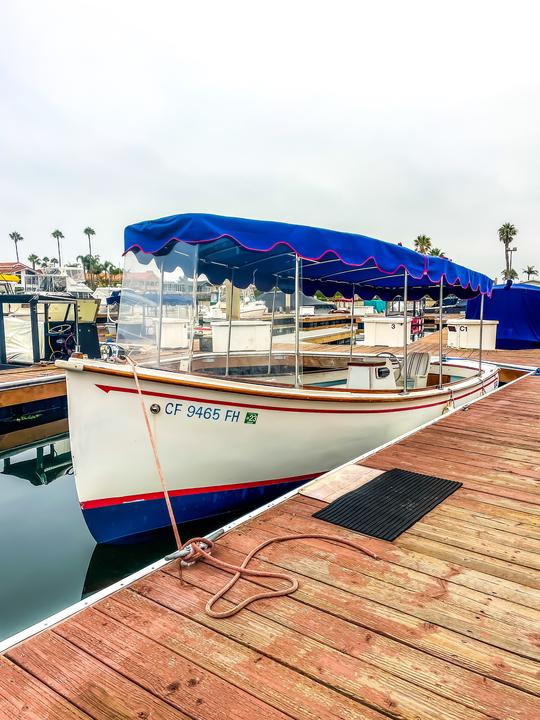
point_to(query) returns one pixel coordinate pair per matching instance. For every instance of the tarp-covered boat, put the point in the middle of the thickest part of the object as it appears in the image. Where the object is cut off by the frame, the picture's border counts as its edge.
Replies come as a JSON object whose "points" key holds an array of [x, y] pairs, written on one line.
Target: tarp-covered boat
{"points": [[517, 308]]}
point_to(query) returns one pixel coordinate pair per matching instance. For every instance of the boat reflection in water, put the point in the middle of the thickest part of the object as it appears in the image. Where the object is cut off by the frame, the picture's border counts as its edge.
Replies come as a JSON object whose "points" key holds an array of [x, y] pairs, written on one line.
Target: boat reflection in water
{"points": [[52, 460], [44, 543]]}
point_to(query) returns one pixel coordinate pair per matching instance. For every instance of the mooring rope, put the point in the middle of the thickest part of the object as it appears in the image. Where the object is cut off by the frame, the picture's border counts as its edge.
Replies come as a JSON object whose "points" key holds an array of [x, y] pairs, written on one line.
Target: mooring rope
{"points": [[156, 456], [200, 548]]}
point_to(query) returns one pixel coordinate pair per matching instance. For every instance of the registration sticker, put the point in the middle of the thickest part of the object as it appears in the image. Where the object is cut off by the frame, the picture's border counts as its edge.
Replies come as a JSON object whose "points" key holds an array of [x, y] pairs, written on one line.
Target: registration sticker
{"points": [[251, 418]]}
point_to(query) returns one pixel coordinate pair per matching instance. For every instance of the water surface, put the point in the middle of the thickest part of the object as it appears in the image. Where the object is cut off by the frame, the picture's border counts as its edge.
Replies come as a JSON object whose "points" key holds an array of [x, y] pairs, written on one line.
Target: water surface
{"points": [[48, 559]]}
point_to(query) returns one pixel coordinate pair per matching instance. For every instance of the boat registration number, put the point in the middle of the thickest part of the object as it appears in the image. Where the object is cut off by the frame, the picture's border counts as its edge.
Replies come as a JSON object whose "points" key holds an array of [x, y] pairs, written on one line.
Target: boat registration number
{"points": [[203, 412]]}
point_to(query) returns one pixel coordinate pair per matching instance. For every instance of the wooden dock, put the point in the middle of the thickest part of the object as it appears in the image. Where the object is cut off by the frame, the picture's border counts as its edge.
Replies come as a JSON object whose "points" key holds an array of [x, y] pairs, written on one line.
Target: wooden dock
{"points": [[529, 358], [31, 395], [444, 625], [46, 381]]}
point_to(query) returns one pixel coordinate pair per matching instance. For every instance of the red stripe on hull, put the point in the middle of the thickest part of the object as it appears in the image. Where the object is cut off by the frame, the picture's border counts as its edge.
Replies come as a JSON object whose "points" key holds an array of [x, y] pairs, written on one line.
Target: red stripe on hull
{"points": [[170, 396], [89, 504]]}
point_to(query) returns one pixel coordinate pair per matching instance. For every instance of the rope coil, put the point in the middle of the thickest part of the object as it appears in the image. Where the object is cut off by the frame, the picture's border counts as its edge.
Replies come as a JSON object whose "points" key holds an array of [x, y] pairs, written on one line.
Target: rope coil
{"points": [[201, 549]]}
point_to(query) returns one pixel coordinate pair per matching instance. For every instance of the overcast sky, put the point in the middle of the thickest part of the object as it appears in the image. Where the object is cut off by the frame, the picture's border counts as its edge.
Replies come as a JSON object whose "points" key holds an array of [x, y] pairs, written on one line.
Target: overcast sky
{"points": [[390, 119]]}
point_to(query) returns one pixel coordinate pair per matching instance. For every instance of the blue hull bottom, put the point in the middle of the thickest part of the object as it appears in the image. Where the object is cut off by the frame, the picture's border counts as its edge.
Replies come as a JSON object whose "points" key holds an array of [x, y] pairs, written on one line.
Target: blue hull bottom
{"points": [[120, 523]]}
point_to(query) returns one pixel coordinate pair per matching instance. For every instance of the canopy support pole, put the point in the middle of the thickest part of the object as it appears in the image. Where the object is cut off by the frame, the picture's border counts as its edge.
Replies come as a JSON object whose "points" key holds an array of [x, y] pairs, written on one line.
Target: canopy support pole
{"points": [[194, 319], [227, 359], [481, 333], [352, 324], [272, 330], [440, 332], [297, 321], [160, 317], [405, 332]]}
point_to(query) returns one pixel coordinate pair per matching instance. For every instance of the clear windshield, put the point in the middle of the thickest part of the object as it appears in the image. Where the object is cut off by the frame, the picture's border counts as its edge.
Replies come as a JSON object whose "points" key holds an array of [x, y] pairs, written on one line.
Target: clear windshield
{"points": [[234, 332], [156, 321]]}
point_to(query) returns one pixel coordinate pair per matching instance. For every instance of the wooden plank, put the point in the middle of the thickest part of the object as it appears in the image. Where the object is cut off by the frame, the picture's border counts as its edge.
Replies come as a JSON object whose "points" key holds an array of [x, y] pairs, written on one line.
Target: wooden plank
{"points": [[479, 520], [322, 593], [513, 485], [449, 680], [336, 484], [87, 683], [500, 501], [466, 526], [24, 697], [439, 604], [33, 434], [276, 684], [490, 459], [503, 487], [188, 687], [476, 561], [351, 676], [32, 393], [297, 514]]}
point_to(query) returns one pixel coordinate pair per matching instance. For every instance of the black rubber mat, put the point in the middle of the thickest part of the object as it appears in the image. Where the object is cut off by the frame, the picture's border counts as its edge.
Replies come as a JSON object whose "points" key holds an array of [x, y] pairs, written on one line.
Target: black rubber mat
{"points": [[389, 504]]}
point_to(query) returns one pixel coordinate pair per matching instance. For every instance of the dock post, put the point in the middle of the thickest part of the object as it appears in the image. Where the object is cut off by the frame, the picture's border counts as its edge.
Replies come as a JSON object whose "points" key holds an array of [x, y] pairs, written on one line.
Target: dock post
{"points": [[481, 332], [36, 353], [440, 331], [230, 324], [76, 325], [297, 321], [352, 324], [405, 331], [160, 316], [3, 349], [195, 317], [272, 329]]}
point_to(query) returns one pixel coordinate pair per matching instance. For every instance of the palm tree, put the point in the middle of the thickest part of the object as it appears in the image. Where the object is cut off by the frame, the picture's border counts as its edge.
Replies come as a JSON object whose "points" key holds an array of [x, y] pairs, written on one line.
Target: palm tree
{"points": [[33, 259], [530, 270], [88, 231], [507, 233], [85, 262], [17, 238], [57, 235], [422, 244], [96, 266], [44, 261], [114, 271], [92, 267], [53, 261], [509, 274], [436, 252], [107, 265]]}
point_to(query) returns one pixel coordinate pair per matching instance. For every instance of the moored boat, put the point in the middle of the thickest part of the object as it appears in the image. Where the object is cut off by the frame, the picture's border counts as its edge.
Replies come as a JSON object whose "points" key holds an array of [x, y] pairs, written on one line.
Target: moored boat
{"points": [[235, 428]]}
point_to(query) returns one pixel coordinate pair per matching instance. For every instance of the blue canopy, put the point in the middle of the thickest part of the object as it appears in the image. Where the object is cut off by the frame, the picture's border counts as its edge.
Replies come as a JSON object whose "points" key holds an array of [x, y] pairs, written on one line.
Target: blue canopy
{"points": [[517, 308], [262, 253]]}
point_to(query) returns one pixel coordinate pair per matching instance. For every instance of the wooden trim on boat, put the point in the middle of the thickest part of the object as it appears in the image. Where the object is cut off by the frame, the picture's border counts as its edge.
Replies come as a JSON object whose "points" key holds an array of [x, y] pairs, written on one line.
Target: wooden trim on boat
{"points": [[268, 392]]}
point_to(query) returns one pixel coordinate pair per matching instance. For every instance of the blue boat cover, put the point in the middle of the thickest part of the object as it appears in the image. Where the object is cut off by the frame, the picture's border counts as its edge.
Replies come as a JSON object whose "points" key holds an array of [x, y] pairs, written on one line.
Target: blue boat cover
{"points": [[262, 253], [517, 308]]}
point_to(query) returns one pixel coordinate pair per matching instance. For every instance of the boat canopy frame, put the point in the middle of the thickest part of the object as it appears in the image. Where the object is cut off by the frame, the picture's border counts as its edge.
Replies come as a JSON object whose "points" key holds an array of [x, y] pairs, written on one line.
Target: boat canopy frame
{"points": [[262, 253], [296, 258]]}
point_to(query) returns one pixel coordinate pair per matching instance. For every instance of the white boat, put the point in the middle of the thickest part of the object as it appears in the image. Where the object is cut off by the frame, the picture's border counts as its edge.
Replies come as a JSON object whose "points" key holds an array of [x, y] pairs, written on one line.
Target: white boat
{"points": [[67, 279], [252, 309], [249, 308], [235, 430]]}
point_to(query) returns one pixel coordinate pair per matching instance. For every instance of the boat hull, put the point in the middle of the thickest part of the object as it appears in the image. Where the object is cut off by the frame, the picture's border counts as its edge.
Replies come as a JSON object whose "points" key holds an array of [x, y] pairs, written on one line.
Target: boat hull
{"points": [[220, 448]]}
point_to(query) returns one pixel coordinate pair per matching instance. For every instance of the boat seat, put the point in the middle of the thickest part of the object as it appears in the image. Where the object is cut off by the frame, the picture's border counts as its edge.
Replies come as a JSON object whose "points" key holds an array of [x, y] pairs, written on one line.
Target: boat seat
{"points": [[417, 369]]}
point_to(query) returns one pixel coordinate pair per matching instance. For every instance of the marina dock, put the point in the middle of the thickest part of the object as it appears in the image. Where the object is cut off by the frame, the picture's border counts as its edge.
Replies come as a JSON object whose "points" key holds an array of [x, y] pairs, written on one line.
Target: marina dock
{"points": [[445, 624], [31, 395]]}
